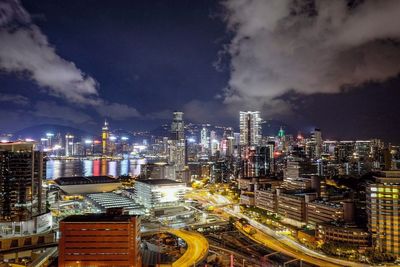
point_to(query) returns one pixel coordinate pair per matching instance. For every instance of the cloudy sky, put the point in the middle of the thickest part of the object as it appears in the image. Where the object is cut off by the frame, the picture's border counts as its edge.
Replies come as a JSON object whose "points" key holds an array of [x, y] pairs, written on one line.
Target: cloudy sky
{"points": [[328, 64]]}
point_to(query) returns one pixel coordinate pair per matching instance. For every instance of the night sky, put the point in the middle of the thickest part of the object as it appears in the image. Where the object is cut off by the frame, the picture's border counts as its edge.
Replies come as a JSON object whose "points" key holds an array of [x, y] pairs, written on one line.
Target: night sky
{"points": [[328, 64]]}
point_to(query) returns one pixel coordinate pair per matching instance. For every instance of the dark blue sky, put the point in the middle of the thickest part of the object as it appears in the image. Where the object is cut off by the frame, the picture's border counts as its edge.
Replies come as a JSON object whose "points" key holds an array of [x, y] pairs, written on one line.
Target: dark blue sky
{"points": [[153, 57]]}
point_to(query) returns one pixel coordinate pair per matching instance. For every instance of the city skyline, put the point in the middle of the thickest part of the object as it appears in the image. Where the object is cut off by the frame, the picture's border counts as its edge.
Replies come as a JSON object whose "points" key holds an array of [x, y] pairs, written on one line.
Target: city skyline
{"points": [[136, 63]]}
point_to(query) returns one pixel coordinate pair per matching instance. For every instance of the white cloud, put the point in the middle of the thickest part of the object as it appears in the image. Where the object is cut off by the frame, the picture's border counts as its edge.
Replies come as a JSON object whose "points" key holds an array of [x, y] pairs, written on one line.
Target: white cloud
{"points": [[16, 99], [24, 49], [284, 45]]}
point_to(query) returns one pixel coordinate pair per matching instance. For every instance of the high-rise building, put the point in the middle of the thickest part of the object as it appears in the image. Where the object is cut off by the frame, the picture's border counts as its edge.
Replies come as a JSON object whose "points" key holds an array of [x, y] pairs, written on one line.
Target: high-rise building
{"points": [[69, 145], [314, 145], [178, 126], [250, 128], [105, 136], [256, 161], [178, 142], [383, 209], [204, 140], [100, 240], [317, 138], [22, 197]]}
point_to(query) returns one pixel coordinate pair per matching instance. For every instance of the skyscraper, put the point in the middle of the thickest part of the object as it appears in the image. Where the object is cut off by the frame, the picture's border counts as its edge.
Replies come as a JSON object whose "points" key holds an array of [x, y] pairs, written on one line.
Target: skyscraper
{"points": [[22, 196], [105, 135], [69, 145], [178, 142], [204, 139], [178, 126], [250, 128], [383, 208]]}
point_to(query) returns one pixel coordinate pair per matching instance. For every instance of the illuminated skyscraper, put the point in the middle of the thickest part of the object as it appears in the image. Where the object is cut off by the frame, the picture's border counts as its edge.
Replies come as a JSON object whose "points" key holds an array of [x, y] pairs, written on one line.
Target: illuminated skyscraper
{"points": [[22, 197], [250, 128], [383, 208], [204, 139], [69, 145], [105, 135], [178, 142], [178, 126]]}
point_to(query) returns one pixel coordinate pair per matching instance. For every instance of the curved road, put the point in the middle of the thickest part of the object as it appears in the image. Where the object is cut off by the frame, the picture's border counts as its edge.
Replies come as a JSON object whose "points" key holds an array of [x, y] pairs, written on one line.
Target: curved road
{"points": [[197, 248]]}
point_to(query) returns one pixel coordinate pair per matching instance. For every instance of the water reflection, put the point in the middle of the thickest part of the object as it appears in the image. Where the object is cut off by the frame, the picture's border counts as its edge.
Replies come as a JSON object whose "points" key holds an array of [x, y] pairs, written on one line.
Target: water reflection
{"points": [[85, 167]]}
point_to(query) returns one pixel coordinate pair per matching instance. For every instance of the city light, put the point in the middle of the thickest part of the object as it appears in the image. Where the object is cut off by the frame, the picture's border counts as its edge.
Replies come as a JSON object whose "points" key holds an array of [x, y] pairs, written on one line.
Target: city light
{"points": [[160, 133]]}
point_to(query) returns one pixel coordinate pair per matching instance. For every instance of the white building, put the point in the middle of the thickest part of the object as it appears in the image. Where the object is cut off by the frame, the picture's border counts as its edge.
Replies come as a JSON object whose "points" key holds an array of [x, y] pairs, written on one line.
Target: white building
{"points": [[159, 193]]}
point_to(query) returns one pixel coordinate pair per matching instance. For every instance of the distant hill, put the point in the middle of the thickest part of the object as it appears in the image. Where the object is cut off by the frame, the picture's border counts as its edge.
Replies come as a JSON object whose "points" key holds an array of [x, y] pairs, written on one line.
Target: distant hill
{"points": [[39, 131]]}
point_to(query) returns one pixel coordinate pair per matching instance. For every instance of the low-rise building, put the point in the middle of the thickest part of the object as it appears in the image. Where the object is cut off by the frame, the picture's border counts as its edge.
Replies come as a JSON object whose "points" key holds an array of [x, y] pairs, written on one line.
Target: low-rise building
{"points": [[323, 211], [343, 233], [247, 198], [292, 205], [159, 193], [266, 199]]}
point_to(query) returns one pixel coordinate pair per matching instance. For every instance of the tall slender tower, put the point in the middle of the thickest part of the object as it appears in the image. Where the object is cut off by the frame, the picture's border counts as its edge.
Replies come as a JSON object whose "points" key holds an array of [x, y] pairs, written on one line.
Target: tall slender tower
{"points": [[177, 126], [105, 135], [69, 145], [250, 128], [178, 147], [204, 139]]}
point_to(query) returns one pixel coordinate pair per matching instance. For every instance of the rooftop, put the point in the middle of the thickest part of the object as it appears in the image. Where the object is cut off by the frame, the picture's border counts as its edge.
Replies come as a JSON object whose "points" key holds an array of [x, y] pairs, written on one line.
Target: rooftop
{"points": [[100, 217], [159, 181], [76, 180]]}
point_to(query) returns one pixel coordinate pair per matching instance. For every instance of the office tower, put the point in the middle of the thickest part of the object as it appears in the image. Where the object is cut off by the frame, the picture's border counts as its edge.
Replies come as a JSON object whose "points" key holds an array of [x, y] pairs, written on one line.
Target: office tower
{"points": [[50, 139], [317, 138], [69, 145], [383, 209], [108, 239], [250, 128], [22, 197], [256, 162], [178, 126], [344, 151], [314, 145], [204, 140], [178, 142], [105, 135]]}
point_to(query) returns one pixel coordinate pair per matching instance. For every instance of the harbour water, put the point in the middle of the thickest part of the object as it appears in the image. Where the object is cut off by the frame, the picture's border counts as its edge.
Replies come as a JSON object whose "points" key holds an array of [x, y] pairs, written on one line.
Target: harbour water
{"points": [[92, 167]]}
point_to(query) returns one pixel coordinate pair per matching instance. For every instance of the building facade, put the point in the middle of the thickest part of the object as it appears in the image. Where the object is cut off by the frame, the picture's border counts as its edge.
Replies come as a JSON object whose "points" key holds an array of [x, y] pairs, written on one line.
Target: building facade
{"points": [[100, 240], [250, 128], [22, 170], [383, 209], [159, 193]]}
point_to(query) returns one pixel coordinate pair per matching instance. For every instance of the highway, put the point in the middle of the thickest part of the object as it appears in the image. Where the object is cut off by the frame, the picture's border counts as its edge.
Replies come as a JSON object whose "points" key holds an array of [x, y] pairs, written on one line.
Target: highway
{"points": [[197, 248], [271, 239], [286, 245]]}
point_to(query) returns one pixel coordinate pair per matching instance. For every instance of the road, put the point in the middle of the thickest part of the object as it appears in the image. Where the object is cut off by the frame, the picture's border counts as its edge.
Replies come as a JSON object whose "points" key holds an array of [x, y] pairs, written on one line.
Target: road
{"points": [[284, 244], [277, 242], [197, 248]]}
